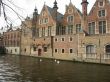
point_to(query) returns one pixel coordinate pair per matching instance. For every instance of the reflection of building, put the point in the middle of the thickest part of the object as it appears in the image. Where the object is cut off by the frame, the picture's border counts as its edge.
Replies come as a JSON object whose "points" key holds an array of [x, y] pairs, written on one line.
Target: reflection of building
{"points": [[72, 36], [11, 39]]}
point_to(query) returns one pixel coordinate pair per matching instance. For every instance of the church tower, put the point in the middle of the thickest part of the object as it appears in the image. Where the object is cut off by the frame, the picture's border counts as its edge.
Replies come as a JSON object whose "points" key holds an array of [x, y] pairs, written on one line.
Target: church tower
{"points": [[84, 7]]}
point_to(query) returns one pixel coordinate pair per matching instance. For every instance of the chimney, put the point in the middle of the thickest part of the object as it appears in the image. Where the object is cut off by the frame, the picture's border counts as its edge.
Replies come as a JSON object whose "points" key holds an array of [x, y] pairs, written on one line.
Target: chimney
{"points": [[84, 7]]}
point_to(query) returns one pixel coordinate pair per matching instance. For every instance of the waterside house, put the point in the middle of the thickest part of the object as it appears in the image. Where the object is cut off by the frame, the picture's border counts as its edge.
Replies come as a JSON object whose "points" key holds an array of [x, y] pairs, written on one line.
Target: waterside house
{"points": [[75, 35]]}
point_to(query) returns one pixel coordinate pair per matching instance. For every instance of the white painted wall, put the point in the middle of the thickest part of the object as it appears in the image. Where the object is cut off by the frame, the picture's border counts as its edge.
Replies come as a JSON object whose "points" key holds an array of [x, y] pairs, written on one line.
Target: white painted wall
{"points": [[13, 50]]}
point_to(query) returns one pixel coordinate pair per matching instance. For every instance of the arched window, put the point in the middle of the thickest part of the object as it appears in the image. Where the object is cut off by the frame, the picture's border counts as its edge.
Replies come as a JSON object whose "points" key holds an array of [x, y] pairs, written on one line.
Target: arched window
{"points": [[107, 48], [90, 49]]}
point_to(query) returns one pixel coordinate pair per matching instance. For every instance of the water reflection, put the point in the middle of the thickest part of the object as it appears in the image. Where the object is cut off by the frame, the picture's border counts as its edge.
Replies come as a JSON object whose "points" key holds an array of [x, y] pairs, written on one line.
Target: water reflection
{"points": [[29, 69]]}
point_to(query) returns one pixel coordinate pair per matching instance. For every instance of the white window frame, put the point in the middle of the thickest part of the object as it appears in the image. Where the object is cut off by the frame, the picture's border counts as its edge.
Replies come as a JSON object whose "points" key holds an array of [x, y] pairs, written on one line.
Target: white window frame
{"points": [[105, 29], [62, 49], [69, 17], [77, 28], [70, 40], [55, 39], [62, 38], [102, 5], [56, 49], [101, 13], [94, 28], [72, 50]]}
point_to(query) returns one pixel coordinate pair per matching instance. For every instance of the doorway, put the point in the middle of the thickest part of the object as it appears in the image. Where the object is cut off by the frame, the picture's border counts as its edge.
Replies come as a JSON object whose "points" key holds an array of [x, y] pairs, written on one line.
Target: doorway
{"points": [[39, 52]]}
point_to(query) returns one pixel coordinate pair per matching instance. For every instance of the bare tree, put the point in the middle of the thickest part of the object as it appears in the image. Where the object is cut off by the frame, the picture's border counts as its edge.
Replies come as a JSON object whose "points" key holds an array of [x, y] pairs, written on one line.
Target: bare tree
{"points": [[4, 5]]}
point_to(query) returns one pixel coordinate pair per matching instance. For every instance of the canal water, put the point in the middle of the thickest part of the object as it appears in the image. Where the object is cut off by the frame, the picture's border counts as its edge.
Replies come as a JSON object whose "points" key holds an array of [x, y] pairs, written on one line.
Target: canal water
{"points": [[29, 69]]}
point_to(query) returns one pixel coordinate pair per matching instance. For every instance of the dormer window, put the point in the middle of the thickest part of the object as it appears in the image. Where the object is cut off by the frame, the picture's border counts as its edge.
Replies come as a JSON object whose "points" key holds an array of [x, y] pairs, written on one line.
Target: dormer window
{"points": [[101, 13]]}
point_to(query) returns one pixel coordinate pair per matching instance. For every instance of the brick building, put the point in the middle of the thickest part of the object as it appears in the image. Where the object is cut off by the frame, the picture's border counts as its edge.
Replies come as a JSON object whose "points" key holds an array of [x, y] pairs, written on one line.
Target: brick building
{"points": [[11, 40], [73, 36], [1, 39]]}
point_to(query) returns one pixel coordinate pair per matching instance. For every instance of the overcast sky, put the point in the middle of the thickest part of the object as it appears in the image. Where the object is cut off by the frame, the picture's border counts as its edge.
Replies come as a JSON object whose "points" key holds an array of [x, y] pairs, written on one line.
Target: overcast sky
{"points": [[27, 7]]}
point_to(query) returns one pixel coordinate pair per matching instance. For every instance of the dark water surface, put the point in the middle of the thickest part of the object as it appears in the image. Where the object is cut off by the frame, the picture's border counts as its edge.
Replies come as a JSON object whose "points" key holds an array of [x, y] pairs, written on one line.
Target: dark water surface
{"points": [[29, 69]]}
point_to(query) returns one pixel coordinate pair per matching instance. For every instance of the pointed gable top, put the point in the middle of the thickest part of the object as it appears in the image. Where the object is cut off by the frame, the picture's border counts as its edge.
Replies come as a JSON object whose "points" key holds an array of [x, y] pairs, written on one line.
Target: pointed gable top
{"points": [[50, 11]]}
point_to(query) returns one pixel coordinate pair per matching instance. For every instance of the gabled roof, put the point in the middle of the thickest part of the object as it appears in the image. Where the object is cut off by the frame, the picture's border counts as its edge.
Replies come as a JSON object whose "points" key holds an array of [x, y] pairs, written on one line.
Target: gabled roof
{"points": [[95, 4], [71, 5], [59, 15], [51, 11]]}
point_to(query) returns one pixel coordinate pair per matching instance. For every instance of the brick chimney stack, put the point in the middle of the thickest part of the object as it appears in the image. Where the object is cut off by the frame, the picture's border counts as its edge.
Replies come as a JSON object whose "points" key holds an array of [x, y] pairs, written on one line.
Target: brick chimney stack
{"points": [[84, 7]]}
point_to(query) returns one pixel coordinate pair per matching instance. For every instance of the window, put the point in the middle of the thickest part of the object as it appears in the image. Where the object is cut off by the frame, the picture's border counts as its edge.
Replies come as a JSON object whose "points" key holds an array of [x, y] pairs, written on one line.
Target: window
{"points": [[70, 29], [78, 28], [37, 32], [102, 27], [71, 50], [15, 50], [40, 21], [70, 39], [63, 51], [60, 30], [43, 31], [49, 31], [56, 39], [90, 49], [56, 50], [91, 28], [11, 51], [101, 3], [25, 50], [45, 49], [63, 30], [101, 13], [70, 19], [46, 20], [62, 39], [108, 49], [34, 48]]}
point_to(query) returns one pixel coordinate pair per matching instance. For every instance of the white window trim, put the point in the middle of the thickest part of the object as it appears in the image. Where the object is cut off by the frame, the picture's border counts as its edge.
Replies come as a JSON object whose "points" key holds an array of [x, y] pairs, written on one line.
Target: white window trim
{"points": [[92, 45], [95, 25], [62, 49], [69, 39], [64, 39], [57, 50], [103, 4], [55, 39], [106, 26], [68, 17], [101, 10], [72, 50], [46, 21]]}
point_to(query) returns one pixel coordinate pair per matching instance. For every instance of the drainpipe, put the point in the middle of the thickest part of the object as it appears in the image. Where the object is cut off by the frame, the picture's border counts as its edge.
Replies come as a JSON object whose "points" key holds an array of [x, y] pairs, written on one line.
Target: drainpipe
{"points": [[52, 44], [20, 41]]}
